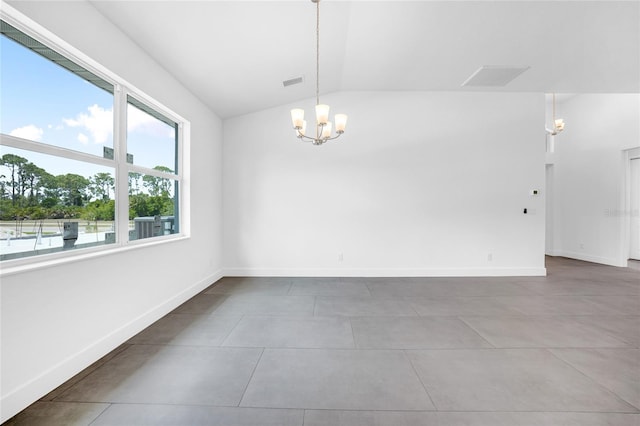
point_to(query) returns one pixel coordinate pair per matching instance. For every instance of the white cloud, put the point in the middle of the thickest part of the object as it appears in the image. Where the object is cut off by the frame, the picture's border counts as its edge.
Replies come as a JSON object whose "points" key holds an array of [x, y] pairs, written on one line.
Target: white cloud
{"points": [[140, 121], [99, 123], [30, 132], [83, 139]]}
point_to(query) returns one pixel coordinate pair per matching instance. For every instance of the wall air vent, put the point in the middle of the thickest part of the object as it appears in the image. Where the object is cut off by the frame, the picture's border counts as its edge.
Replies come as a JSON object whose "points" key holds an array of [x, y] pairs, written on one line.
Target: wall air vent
{"points": [[292, 81], [494, 76]]}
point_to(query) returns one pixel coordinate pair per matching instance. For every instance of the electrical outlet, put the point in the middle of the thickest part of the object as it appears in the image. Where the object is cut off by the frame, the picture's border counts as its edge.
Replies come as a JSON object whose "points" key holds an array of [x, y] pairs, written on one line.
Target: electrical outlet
{"points": [[490, 257], [340, 257]]}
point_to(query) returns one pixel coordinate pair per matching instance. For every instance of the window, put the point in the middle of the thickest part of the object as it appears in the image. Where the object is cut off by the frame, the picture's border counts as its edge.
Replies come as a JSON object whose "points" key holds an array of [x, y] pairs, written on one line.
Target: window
{"points": [[70, 168], [152, 142]]}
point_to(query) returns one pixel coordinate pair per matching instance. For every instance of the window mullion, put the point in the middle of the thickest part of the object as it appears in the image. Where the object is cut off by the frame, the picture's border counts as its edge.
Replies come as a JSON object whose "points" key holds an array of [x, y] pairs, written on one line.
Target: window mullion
{"points": [[122, 172], [16, 142]]}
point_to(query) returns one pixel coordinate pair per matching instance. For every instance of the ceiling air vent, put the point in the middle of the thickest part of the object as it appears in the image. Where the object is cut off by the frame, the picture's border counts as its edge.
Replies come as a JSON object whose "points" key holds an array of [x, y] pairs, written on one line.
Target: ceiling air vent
{"points": [[494, 76], [292, 81]]}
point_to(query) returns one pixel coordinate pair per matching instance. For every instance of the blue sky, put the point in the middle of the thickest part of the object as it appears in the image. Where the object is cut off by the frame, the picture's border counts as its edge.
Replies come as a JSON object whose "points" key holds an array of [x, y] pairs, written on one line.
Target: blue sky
{"points": [[42, 101]]}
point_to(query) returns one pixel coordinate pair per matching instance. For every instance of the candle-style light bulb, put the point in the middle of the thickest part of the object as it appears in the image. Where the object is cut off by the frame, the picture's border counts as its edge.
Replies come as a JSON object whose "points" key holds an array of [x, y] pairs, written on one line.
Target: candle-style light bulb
{"points": [[297, 117], [326, 130], [341, 123], [322, 114]]}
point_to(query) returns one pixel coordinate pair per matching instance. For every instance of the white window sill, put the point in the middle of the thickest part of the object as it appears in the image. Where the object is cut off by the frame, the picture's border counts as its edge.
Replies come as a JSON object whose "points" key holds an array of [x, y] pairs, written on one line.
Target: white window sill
{"points": [[22, 265]]}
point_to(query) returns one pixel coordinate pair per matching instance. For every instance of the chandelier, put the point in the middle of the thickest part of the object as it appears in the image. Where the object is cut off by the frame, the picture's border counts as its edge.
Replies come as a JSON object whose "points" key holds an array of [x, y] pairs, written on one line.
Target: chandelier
{"points": [[323, 125], [558, 124]]}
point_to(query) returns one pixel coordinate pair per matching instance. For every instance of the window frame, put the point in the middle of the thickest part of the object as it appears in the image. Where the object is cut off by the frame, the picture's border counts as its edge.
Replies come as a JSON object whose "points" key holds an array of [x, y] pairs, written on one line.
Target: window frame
{"points": [[121, 90]]}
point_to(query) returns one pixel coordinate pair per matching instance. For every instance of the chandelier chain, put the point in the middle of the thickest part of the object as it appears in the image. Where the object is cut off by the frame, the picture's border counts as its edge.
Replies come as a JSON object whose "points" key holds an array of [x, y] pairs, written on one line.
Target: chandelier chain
{"points": [[317, 52]]}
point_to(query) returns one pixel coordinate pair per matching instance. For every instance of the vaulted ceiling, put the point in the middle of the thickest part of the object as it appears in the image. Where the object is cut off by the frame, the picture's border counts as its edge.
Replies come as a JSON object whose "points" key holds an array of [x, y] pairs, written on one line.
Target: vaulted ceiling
{"points": [[235, 55]]}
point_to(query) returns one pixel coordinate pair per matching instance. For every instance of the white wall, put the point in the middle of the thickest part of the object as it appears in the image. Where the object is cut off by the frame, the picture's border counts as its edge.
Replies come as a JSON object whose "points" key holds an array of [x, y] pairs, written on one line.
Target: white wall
{"points": [[420, 184], [589, 174], [58, 320]]}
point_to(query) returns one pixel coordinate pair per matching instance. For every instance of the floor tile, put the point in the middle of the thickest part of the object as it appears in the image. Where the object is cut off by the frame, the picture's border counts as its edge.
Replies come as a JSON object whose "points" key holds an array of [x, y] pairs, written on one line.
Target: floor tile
{"points": [[84, 373], [286, 332], [267, 305], [567, 354], [180, 415], [554, 305], [541, 332], [509, 380], [414, 333], [624, 328], [328, 287], [362, 306], [202, 303], [369, 418], [591, 287], [251, 285], [57, 414], [616, 369], [169, 375], [448, 287], [617, 305], [422, 418], [335, 379], [186, 329], [537, 419], [458, 306]]}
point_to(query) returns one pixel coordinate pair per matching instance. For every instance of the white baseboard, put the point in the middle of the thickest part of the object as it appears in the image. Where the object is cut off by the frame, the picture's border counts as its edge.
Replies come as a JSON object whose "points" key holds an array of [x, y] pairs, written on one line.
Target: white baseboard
{"points": [[23, 396], [589, 258], [386, 272]]}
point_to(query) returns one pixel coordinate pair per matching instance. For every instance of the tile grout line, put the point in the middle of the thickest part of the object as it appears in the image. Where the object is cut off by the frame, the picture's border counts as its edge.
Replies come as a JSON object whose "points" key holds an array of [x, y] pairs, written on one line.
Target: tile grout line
{"points": [[353, 334], [591, 379], [414, 309], [477, 332], [251, 377], [222, 342], [413, 367], [109, 405]]}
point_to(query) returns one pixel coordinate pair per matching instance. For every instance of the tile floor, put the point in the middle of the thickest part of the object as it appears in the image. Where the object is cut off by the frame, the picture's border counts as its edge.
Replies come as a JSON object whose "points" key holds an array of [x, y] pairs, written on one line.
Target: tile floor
{"points": [[557, 350]]}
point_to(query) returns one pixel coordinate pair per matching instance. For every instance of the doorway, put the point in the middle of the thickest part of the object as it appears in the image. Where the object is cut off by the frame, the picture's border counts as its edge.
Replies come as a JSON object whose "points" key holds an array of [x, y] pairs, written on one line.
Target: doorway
{"points": [[549, 218], [634, 208]]}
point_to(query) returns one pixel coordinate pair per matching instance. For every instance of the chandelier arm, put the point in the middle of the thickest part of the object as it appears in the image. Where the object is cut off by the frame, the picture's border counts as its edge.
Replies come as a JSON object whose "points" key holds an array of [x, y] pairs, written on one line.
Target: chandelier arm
{"points": [[317, 140], [303, 136], [335, 137]]}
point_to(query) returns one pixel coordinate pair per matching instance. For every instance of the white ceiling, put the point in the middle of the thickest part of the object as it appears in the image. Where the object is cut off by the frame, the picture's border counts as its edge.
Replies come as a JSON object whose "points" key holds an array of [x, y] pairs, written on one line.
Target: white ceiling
{"points": [[234, 55]]}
